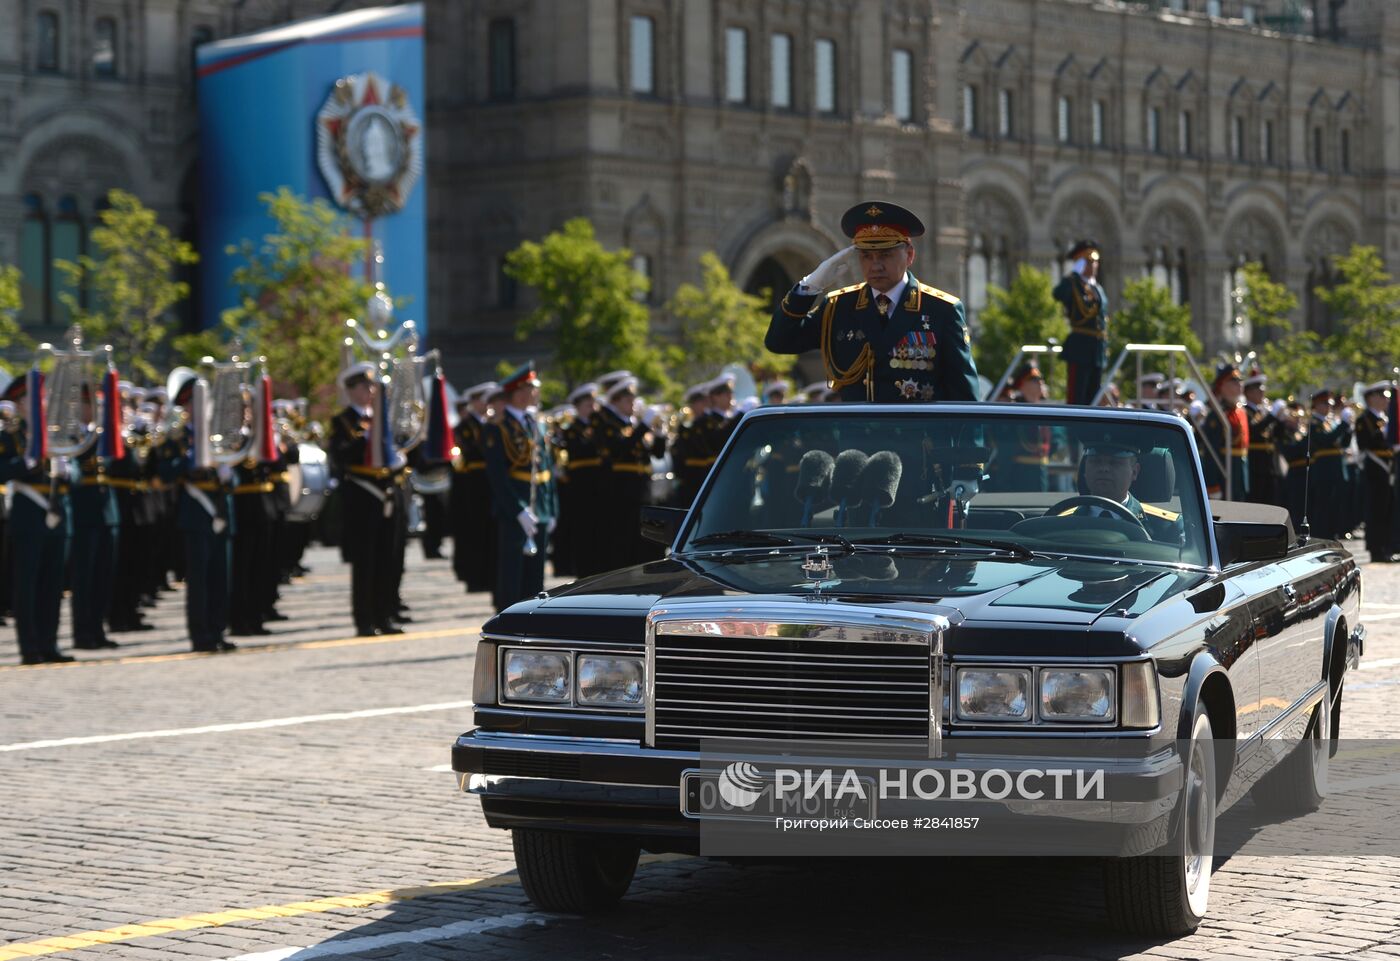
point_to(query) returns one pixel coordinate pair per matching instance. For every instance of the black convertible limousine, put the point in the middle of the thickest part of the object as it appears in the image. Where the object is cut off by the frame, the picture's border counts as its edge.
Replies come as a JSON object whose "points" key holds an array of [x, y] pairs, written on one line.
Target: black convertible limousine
{"points": [[907, 577]]}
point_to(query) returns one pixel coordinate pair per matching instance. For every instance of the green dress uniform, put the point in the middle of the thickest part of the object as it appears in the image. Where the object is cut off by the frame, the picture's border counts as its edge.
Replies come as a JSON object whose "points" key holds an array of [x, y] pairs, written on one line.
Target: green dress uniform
{"points": [[1377, 461], [1265, 479], [1086, 348], [96, 521], [521, 471], [204, 515], [1162, 525], [39, 529], [1328, 475], [371, 499], [469, 504], [919, 350], [1293, 446], [1214, 433]]}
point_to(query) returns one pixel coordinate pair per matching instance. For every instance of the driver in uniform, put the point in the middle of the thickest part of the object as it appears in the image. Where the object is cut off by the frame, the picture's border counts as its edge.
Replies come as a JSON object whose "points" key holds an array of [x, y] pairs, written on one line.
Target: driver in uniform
{"points": [[1109, 468]]}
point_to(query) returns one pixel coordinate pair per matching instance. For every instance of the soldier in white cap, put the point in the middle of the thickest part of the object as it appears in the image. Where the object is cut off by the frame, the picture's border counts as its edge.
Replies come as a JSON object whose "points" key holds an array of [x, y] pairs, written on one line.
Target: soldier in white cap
{"points": [[580, 489], [469, 503], [626, 447]]}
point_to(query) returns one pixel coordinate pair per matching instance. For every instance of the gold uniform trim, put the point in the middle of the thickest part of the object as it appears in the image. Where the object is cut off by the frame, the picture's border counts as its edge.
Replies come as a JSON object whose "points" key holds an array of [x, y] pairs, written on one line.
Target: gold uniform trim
{"points": [[1161, 512], [864, 363]]}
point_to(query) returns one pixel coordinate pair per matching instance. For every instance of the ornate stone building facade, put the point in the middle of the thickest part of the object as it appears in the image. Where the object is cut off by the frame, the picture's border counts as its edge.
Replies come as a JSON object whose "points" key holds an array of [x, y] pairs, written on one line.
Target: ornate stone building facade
{"points": [[1186, 136]]}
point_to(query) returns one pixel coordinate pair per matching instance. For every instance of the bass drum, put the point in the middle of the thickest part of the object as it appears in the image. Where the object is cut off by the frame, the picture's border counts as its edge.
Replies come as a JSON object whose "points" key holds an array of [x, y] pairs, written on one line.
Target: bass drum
{"points": [[309, 483]]}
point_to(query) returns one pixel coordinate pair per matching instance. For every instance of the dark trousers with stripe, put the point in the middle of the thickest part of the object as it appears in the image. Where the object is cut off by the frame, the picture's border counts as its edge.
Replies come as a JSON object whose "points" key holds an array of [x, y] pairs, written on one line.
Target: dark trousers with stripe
{"points": [[206, 587], [39, 567], [369, 541], [1082, 382], [94, 554], [517, 576]]}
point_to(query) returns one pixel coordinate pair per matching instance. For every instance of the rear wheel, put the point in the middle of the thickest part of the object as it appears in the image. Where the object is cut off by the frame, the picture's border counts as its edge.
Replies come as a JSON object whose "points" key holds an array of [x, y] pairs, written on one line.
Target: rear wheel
{"points": [[1165, 893], [1298, 784], [573, 873]]}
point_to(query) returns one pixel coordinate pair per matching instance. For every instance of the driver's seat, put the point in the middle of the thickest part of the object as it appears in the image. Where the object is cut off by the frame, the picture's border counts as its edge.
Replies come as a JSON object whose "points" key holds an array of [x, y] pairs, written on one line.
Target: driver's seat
{"points": [[1156, 480]]}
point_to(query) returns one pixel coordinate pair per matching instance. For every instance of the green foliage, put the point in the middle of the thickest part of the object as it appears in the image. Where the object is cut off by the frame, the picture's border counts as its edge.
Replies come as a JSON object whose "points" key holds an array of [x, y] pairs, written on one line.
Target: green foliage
{"points": [[1366, 308], [296, 290], [189, 349], [720, 324], [589, 299], [1294, 360], [12, 339], [130, 283], [1268, 305], [1149, 316], [1024, 313]]}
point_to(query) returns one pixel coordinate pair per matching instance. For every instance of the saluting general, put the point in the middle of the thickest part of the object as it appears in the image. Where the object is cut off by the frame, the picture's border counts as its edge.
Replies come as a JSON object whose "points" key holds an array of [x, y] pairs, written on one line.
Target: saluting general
{"points": [[889, 339]]}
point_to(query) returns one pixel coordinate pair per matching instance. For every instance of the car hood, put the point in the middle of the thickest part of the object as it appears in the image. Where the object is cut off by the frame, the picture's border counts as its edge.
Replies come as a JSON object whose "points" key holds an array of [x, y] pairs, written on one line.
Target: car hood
{"points": [[971, 590]]}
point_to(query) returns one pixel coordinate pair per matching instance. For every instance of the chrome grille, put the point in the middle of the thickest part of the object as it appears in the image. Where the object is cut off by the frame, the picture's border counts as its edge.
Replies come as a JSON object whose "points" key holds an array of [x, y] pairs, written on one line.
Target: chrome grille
{"points": [[770, 679]]}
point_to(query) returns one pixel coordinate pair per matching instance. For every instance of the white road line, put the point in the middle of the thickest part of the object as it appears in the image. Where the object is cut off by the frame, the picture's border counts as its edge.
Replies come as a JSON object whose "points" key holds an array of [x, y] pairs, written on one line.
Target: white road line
{"points": [[1370, 604], [458, 929], [1377, 665], [1388, 616], [239, 726]]}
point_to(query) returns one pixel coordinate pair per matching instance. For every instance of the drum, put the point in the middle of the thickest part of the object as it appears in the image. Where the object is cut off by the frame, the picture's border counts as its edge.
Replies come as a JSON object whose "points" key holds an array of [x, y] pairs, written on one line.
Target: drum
{"points": [[309, 483]]}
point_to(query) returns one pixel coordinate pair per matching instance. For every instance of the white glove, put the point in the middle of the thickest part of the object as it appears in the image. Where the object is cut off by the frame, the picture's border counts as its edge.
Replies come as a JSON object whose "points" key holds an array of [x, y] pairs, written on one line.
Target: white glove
{"points": [[824, 277], [529, 523], [550, 524], [1279, 407], [398, 461], [225, 473], [1197, 410], [1348, 415], [30, 463]]}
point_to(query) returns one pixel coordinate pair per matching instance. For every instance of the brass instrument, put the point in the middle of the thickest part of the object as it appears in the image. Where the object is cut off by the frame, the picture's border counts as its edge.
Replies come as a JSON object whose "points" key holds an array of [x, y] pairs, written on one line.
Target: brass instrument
{"points": [[71, 421], [223, 413]]}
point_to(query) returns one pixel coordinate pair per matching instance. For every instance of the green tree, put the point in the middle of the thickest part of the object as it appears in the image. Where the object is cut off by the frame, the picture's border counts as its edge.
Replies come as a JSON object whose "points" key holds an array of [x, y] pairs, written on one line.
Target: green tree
{"points": [[720, 324], [130, 283], [1268, 305], [1149, 316], [12, 339], [590, 299], [1365, 306], [1024, 313], [1294, 360], [296, 290]]}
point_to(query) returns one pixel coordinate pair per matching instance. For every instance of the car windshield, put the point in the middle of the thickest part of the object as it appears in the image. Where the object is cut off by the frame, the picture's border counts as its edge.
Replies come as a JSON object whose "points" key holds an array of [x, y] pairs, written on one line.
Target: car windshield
{"points": [[1006, 482]]}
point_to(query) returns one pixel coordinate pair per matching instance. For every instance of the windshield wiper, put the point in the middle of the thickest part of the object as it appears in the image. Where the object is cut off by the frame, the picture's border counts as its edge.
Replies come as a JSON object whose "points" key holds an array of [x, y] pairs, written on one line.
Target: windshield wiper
{"points": [[765, 537], [1019, 551]]}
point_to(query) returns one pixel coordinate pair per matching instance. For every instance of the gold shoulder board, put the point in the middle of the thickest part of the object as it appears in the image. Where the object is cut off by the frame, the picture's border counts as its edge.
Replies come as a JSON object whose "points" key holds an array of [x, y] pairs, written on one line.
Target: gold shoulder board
{"points": [[1164, 514], [832, 295], [940, 294]]}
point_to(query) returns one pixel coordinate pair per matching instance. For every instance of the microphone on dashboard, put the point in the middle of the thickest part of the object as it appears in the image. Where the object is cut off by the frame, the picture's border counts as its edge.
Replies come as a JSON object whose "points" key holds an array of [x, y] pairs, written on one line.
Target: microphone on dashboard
{"points": [[814, 482], [879, 481], [844, 477]]}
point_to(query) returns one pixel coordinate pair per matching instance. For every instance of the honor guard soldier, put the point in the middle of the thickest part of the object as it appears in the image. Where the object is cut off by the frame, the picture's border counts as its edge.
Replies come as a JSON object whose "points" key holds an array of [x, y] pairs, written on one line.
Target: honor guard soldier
{"points": [[473, 525], [370, 501], [1328, 474], [1378, 461], [580, 496], [688, 451], [1023, 453], [96, 521], [204, 515], [1086, 309], [1234, 442], [39, 528], [775, 392], [1293, 448], [1265, 476], [520, 469], [889, 339]]}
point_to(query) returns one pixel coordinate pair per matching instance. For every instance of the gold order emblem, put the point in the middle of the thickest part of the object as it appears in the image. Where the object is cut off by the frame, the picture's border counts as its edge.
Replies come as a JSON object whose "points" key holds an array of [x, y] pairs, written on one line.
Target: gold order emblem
{"points": [[873, 211]]}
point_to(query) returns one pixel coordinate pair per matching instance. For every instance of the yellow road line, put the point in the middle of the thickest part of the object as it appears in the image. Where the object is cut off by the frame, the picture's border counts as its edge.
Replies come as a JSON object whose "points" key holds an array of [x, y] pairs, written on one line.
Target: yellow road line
{"points": [[468, 629], [218, 919]]}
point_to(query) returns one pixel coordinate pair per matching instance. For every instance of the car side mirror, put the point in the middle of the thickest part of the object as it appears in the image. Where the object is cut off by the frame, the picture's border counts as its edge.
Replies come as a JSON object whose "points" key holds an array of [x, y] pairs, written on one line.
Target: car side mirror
{"points": [[1240, 542], [661, 524]]}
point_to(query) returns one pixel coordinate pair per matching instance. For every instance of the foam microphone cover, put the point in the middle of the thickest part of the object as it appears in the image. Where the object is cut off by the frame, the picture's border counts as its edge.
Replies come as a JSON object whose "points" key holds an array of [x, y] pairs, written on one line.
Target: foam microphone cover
{"points": [[846, 474], [880, 478], [814, 476]]}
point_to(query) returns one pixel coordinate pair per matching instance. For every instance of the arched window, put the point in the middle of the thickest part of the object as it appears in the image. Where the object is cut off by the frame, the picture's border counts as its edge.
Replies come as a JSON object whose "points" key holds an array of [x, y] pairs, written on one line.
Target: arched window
{"points": [[47, 41], [33, 261], [978, 269], [104, 47], [66, 243]]}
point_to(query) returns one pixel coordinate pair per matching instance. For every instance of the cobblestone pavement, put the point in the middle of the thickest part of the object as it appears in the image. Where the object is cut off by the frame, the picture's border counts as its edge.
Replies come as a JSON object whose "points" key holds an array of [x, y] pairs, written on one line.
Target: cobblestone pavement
{"points": [[290, 801]]}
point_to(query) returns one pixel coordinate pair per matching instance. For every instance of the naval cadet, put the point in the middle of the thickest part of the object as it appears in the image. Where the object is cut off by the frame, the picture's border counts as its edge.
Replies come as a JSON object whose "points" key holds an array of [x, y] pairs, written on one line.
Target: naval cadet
{"points": [[688, 453], [627, 447], [473, 526], [1265, 431], [370, 499], [96, 519], [520, 469], [1086, 309], [39, 529], [1227, 390], [1329, 437], [579, 498], [890, 338], [204, 515], [1378, 461]]}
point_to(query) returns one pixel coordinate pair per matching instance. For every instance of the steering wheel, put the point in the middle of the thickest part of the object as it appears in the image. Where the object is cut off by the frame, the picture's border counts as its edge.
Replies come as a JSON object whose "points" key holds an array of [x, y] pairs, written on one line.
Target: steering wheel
{"points": [[1094, 500]]}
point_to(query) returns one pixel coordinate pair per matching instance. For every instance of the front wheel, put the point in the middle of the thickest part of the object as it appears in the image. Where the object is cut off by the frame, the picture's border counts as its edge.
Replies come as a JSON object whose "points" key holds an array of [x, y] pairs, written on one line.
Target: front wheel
{"points": [[573, 873], [1164, 894]]}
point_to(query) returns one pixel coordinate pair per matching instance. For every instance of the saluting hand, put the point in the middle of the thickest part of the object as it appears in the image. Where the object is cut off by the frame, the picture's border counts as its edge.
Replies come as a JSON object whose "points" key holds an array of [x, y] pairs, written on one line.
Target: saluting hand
{"points": [[827, 272]]}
